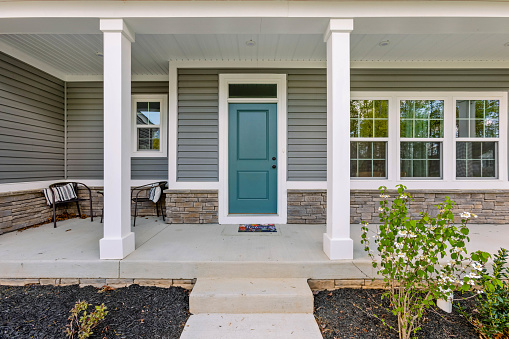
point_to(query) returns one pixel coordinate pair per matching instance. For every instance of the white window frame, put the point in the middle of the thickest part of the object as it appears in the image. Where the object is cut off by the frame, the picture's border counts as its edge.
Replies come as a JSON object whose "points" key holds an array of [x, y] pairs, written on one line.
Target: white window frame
{"points": [[444, 161], [477, 139], [387, 139], [163, 126], [448, 180]]}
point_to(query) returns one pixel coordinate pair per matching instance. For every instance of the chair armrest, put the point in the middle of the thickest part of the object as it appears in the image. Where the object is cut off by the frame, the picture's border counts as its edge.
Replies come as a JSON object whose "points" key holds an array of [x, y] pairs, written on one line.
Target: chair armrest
{"points": [[139, 189], [145, 187], [79, 183]]}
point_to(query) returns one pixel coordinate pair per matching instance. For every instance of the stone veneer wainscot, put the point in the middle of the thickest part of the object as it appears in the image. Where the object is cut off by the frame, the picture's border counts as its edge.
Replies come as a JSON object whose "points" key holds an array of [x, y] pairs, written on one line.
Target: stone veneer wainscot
{"points": [[191, 206], [310, 206], [25, 208]]}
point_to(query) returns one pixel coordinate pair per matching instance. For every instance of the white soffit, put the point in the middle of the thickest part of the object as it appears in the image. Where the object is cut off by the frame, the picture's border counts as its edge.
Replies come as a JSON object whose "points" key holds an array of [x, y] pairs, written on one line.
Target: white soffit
{"points": [[430, 47], [68, 53], [75, 54]]}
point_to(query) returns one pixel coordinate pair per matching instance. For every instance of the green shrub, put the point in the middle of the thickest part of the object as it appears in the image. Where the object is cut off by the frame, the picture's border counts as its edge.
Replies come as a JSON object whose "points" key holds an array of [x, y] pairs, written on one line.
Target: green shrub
{"points": [[491, 318], [408, 253], [81, 326]]}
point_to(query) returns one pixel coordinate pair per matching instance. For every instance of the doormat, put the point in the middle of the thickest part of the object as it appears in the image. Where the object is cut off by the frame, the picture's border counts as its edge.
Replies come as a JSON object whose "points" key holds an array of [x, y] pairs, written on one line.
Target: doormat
{"points": [[257, 228]]}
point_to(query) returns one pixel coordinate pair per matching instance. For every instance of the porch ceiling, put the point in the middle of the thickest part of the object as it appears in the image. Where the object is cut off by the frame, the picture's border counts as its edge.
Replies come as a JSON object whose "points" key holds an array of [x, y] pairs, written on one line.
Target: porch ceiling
{"points": [[432, 40]]}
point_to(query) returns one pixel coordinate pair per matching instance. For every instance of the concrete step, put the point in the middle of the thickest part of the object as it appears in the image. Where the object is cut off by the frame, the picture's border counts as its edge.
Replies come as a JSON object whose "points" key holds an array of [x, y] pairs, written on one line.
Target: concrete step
{"points": [[251, 295], [251, 326]]}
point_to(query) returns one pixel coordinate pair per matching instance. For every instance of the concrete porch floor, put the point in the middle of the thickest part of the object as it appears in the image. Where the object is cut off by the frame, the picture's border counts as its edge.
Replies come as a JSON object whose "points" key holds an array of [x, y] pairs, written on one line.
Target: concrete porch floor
{"points": [[178, 251]]}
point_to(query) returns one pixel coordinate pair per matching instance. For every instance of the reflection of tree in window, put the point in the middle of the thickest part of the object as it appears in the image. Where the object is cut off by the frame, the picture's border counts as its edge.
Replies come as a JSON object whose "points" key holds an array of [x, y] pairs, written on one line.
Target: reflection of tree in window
{"points": [[421, 119], [368, 122], [369, 118], [477, 118], [148, 114]]}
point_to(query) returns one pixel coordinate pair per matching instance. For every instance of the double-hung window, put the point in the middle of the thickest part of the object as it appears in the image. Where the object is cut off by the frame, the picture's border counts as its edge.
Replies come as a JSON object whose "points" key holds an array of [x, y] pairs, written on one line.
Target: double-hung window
{"points": [[421, 137], [477, 138], [149, 120], [369, 132]]}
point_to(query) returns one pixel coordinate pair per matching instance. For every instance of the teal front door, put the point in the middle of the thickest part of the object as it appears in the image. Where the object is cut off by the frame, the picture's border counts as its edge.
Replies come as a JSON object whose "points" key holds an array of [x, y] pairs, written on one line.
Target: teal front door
{"points": [[252, 162]]}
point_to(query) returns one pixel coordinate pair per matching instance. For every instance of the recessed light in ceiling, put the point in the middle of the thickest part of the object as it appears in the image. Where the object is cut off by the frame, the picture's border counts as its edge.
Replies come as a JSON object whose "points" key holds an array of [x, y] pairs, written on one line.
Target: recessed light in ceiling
{"points": [[99, 54], [250, 43], [384, 43]]}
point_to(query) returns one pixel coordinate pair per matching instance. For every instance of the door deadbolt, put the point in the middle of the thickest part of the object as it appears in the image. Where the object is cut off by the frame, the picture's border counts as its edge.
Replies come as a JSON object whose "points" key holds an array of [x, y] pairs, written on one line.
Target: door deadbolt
{"points": [[273, 158]]}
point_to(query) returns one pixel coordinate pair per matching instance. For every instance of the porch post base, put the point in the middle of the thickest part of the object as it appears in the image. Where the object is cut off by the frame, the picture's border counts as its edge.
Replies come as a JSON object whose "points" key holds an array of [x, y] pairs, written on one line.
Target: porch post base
{"points": [[338, 248], [117, 248]]}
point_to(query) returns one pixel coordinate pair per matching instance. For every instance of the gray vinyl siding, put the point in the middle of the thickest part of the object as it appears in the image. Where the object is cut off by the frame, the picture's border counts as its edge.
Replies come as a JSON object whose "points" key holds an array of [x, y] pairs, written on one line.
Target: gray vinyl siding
{"points": [[85, 130], [85, 141], [429, 79], [307, 125], [31, 123], [32, 119], [198, 137]]}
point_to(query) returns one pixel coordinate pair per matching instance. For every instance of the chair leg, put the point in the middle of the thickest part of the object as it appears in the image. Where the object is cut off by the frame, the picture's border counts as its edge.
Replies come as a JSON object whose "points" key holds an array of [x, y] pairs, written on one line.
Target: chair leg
{"points": [[161, 207], [91, 212], [102, 215], [135, 212], [157, 209], [54, 216], [78, 206]]}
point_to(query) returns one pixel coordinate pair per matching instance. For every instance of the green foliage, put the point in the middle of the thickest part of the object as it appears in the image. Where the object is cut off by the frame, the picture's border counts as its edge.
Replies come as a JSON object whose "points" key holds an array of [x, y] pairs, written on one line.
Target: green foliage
{"points": [[155, 144], [492, 317], [408, 253], [81, 326]]}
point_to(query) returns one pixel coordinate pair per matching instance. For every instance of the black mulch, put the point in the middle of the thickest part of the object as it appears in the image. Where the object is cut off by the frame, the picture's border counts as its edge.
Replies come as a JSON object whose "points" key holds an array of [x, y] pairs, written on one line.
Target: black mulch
{"points": [[348, 313], [134, 311]]}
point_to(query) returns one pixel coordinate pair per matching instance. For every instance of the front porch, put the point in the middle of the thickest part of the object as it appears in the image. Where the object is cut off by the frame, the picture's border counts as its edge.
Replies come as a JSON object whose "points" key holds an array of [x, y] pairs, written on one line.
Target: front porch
{"points": [[108, 99], [163, 251]]}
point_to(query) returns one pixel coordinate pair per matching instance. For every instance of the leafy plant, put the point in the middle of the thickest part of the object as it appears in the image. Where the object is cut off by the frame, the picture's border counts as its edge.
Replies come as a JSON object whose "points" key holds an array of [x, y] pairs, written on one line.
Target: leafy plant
{"points": [[409, 251], [491, 319], [81, 326]]}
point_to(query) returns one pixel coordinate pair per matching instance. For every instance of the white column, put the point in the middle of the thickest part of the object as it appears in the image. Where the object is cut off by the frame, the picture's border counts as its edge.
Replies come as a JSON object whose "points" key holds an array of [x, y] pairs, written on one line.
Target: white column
{"points": [[118, 239], [337, 243]]}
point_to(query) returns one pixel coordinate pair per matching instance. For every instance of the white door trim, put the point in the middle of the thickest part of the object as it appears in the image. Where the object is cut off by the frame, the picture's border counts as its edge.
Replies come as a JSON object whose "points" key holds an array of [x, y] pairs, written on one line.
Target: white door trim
{"points": [[224, 81]]}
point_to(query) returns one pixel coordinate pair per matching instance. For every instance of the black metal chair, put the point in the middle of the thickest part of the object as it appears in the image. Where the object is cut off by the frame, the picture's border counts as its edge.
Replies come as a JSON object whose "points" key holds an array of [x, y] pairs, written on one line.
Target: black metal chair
{"points": [[76, 200], [136, 198]]}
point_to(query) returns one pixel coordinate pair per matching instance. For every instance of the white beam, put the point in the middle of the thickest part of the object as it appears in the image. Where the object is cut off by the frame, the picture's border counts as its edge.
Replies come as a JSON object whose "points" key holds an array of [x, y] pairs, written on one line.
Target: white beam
{"points": [[337, 243], [250, 9], [428, 64], [118, 239]]}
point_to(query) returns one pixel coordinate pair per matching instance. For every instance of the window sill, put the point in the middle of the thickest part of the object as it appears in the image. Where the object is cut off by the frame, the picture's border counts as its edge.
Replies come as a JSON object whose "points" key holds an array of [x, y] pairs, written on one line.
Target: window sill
{"points": [[149, 155]]}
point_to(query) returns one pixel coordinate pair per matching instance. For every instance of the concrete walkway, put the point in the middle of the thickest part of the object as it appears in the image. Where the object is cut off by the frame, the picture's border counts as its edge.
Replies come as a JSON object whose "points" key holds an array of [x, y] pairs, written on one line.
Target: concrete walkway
{"points": [[194, 251], [251, 326]]}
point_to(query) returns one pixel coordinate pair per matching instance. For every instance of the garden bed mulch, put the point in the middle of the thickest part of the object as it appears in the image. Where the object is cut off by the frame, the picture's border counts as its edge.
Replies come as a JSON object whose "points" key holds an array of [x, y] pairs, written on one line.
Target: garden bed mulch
{"points": [[134, 312], [349, 313]]}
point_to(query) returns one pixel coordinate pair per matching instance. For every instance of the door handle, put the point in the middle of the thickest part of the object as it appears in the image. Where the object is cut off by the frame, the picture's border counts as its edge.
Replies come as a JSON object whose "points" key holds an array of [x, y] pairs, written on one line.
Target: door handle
{"points": [[273, 166]]}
